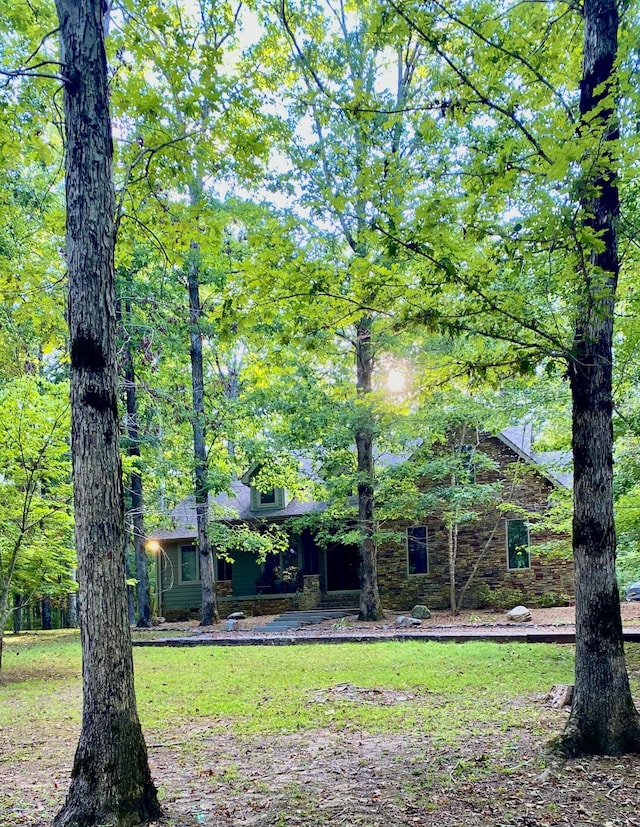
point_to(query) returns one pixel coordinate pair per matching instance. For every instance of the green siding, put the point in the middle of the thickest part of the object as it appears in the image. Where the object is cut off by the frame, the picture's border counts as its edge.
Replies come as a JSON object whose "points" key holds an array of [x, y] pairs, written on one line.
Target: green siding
{"points": [[246, 571], [179, 596], [278, 503]]}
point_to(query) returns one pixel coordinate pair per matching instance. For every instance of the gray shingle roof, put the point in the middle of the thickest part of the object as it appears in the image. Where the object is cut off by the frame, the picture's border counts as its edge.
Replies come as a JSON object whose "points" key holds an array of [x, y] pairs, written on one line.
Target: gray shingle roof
{"points": [[236, 503], [555, 465]]}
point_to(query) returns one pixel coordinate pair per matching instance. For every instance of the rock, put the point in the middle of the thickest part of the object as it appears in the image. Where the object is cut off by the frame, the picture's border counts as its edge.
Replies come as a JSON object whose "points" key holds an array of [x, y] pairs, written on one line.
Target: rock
{"points": [[231, 625], [402, 620], [236, 616], [519, 614], [420, 611], [158, 621]]}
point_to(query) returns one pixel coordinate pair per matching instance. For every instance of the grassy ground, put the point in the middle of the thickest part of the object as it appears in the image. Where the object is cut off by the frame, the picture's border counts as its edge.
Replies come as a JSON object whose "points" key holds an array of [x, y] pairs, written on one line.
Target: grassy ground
{"points": [[390, 733]]}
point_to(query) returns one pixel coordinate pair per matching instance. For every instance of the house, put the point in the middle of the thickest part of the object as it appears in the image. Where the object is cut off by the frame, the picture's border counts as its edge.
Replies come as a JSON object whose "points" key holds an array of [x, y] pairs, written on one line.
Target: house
{"points": [[506, 547], [413, 558]]}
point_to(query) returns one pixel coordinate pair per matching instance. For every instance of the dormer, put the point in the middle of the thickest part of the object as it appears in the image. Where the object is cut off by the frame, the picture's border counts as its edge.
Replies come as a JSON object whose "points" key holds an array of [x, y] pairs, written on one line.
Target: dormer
{"points": [[275, 499]]}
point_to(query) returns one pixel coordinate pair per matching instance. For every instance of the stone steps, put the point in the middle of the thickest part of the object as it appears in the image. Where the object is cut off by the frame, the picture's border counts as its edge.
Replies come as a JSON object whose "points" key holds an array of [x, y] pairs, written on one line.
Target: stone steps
{"points": [[289, 621]]}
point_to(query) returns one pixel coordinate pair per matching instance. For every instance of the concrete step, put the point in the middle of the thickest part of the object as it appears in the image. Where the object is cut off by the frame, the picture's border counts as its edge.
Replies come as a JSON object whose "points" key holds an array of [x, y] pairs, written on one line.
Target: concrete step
{"points": [[325, 614], [275, 626], [289, 621]]}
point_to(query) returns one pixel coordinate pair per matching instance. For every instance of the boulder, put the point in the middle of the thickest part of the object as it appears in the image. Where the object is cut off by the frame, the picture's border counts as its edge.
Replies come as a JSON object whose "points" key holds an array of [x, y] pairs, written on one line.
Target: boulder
{"points": [[420, 611], [403, 620], [236, 616], [519, 614], [231, 625]]}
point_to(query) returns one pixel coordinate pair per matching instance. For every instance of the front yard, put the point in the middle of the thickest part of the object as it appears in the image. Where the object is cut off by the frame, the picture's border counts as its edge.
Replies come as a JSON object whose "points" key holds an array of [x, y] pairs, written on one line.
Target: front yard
{"points": [[400, 734]]}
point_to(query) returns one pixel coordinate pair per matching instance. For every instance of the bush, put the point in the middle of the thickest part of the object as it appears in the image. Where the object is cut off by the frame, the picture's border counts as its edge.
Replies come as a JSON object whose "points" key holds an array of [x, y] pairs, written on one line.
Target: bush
{"points": [[503, 599], [546, 601]]}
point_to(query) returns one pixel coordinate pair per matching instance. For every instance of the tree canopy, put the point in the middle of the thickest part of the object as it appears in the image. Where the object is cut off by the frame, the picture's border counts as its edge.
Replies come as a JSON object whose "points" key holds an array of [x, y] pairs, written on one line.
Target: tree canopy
{"points": [[442, 191]]}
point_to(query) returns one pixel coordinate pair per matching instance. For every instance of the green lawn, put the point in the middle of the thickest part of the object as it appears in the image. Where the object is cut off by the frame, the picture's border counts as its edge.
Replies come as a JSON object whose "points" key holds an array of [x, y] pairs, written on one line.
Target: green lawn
{"points": [[284, 689], [400, 733]]}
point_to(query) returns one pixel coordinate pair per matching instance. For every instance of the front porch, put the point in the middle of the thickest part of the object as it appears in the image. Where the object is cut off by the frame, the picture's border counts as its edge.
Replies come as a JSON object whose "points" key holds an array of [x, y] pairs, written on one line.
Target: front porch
{"points": [[302, 577]]}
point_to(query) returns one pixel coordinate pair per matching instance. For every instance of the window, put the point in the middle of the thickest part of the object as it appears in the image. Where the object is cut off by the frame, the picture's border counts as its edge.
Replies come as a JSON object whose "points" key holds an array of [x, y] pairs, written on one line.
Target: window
{"points": [[517, 545], [417, 549], [468, 464], [189, 564], [223, 569], [271, 500], [267, 497]]}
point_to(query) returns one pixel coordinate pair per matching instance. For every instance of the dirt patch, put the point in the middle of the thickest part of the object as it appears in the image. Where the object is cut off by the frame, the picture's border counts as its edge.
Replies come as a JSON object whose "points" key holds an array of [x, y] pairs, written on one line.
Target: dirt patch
{"points": [[331, 777], [326, 778], [357, 694]]}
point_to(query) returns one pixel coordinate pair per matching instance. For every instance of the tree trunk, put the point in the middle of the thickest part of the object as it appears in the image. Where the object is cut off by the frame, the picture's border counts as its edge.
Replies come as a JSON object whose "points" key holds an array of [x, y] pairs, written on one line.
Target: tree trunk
{"points": [[135, 484], [4, 614], [603, 718], [46, 614], [131, 595], [209, 612], [72, 606], [111, 782], [17, 614], [5, 585], [370, 606]]}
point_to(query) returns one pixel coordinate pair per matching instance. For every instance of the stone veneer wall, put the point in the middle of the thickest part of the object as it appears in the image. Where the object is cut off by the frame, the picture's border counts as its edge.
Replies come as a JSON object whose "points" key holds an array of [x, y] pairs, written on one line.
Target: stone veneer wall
{"points": [[224, 588], [548, 574], [310, 596], [256, 605]]}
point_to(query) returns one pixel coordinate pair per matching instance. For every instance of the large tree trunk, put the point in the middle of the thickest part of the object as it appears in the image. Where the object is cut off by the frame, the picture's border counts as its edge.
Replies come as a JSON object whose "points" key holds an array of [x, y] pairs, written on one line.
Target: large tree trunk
{"points": [[111, 782], [209, 612], [46, 614], [135, 483], [370, 606], [603, 718], [72, 605]]}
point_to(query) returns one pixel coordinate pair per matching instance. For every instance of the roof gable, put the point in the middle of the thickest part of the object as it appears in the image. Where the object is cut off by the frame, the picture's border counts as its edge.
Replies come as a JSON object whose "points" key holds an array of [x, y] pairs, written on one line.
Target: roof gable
{"points": [[556, 466]]}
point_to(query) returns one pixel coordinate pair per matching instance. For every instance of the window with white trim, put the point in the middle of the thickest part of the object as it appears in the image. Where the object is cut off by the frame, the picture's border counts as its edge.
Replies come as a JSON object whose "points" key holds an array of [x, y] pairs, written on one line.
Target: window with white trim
{"points": [[417, 551]]}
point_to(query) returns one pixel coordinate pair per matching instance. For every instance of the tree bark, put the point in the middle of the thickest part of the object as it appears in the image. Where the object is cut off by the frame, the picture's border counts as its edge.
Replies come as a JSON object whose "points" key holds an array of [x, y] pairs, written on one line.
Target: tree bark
{"points": [[370, 606], [111, 782], [17, 614], [135, 485], [209, 613], [603, 718], [46, 614], [72, 606]]}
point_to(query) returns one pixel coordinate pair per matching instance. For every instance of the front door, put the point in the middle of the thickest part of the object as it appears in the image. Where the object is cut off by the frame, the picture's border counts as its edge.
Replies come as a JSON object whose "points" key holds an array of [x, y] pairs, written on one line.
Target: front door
{"points": [[343, 567]]}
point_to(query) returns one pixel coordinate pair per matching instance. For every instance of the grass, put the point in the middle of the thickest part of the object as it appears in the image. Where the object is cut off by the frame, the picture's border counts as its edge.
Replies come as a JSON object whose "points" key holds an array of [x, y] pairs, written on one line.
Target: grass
{"points": [[261, 690], [309, 736]]}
